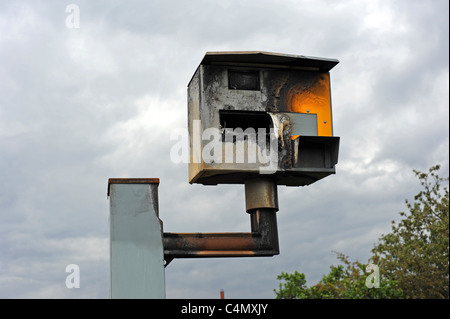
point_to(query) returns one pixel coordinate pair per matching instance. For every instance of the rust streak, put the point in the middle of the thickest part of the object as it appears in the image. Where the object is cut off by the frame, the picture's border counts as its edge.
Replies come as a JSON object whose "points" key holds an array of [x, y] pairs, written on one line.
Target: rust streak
{"points": [[227, 252]]}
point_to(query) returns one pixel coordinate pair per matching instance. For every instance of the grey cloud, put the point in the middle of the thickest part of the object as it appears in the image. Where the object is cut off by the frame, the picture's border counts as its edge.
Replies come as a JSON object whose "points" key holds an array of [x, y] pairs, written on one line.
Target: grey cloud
{"points": [[81, 105]]}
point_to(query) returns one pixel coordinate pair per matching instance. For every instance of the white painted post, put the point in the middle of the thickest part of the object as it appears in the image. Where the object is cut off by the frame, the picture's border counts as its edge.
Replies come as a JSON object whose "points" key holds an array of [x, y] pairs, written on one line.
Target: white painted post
{"points": [[136, 248]]}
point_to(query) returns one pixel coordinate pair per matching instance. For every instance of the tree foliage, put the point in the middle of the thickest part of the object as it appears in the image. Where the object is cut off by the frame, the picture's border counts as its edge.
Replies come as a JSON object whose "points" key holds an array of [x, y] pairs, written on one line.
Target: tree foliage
{"points": [[412, 260], [416, 252], [294, 286], [347, 281]]}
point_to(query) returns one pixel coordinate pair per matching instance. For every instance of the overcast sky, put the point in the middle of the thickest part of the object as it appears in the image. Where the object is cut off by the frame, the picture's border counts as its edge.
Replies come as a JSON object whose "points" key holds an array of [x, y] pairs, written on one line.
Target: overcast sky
{"points": [[81, 105]]}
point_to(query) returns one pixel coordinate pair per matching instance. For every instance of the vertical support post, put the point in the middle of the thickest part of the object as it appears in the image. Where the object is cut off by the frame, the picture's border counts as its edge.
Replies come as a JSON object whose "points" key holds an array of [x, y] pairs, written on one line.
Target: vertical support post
{"points": [[136, 248]]}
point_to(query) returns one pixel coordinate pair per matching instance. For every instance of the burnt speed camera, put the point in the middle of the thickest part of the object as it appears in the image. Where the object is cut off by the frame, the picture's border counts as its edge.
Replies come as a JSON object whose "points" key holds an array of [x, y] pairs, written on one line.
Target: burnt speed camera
{"points": [[260, 113]]}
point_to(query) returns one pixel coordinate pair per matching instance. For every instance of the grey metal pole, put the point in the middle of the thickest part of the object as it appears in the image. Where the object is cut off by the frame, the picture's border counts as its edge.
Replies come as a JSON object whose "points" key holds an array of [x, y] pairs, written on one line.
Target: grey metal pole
{"points": [[136, 248]]}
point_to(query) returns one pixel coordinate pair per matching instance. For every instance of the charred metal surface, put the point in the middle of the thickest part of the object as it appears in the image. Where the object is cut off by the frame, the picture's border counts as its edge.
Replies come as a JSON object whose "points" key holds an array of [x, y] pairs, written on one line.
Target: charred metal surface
{"points": [[252, 90], [269, 59], [274, 81], [320, 152], [260, 193], [262, 205], [261, 241]]}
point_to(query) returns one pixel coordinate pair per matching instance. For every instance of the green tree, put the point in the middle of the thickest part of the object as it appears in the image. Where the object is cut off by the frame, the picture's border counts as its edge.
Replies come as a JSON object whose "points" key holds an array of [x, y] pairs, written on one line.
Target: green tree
{"points": [[413, 260], [355, 280], [348, 281], [416, 252], [293, 287]]}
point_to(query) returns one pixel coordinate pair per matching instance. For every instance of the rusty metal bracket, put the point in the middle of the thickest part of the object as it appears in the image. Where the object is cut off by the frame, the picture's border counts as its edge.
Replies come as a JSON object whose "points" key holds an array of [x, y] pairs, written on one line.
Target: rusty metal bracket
{"points": [[261, 241]]}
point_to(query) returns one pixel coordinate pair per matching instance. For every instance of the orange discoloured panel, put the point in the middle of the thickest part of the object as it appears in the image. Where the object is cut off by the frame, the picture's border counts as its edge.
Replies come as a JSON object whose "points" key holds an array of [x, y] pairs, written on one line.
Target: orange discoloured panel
{"points": [[314, 99]]}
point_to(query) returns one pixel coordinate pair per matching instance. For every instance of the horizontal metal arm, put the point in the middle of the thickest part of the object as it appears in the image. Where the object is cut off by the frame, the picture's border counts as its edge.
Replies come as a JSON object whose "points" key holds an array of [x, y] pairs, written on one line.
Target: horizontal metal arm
{"points": [[261, 241]]}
